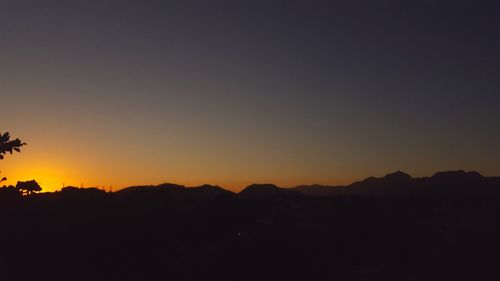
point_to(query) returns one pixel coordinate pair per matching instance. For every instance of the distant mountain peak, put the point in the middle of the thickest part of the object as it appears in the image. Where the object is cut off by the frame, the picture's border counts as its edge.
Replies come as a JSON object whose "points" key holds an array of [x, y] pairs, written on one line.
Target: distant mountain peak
{"points": [[398, 175], [261, 191], [458, 173], [395, 177], [170, 185], [208, 186], [270, 192], [456, 177], [261, 187]]}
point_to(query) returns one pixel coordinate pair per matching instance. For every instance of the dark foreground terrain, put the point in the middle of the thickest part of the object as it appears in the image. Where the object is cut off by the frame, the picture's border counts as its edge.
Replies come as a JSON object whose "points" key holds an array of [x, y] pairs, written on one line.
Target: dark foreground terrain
{"points": [[445, 227]]}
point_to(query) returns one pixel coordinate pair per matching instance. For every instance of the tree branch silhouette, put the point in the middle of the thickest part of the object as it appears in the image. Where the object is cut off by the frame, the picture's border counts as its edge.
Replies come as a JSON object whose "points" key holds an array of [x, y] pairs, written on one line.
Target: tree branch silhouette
{"points": [[9, 146]]}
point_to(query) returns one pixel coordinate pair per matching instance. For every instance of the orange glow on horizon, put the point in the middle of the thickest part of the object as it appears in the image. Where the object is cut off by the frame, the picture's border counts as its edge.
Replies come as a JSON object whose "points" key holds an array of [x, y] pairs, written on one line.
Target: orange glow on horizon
{"points": [[53, 178], [48, 177], [70, 165], [80, 161]]}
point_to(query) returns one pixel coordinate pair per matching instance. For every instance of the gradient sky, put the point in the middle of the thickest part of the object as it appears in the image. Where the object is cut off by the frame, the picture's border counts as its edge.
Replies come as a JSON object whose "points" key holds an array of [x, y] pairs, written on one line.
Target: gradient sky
{"points": [[235, 92]]}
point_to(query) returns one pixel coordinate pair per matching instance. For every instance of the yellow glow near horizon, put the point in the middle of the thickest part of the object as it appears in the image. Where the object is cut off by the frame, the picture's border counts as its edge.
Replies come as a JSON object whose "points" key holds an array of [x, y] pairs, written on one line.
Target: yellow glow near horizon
{"points": [[106, 167], [48, 177], [104, 163]]}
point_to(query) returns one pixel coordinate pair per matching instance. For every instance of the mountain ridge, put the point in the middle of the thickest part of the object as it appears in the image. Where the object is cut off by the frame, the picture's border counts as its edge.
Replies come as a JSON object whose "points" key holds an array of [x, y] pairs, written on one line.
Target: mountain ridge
{"points": [[400, 183], [397, 183]]}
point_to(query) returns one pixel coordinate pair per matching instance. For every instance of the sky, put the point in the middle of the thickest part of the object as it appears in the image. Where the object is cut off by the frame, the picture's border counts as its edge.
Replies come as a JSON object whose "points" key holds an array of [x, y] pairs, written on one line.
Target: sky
{"points": [[120, 93]]}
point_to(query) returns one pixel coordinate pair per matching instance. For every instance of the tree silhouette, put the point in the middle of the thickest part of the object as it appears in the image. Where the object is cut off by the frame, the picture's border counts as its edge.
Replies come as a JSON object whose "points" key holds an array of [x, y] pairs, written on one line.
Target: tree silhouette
{"points": [[28, 187], [7, 145]]}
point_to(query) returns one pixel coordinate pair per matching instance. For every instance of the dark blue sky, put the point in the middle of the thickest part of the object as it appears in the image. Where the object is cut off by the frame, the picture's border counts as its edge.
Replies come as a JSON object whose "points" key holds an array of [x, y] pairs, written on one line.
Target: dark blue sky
{"points": [[233, 92]]}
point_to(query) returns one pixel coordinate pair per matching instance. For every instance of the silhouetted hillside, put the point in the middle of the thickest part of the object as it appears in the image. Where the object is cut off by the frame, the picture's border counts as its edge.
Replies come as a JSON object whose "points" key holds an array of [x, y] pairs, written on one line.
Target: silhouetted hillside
{"points": [[402, 184], [395, 227], [266, 192]]}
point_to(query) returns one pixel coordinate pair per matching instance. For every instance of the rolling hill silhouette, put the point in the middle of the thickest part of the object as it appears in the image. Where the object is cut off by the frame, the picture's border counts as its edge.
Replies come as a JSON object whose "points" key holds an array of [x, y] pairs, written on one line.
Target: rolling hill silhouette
{"points": [[391, 228], [402, 184], [267, 192]]}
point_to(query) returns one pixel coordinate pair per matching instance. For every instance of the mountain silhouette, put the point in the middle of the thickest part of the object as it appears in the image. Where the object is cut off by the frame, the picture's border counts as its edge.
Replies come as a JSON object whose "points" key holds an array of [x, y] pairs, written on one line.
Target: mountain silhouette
{"points": [[256, 191], [456, 178], [402, 184], [393, 227]]}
